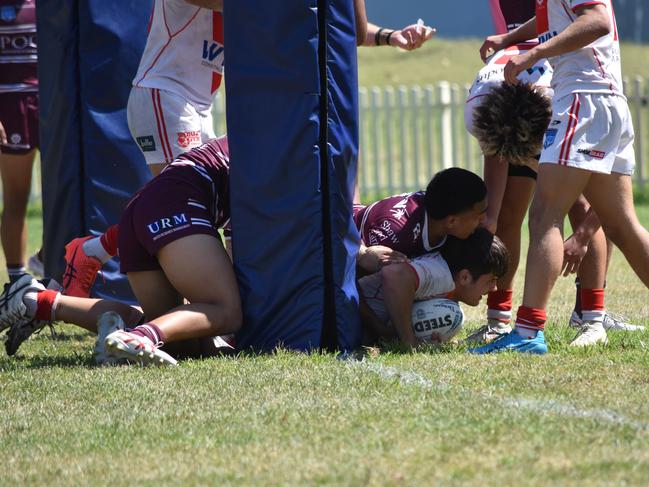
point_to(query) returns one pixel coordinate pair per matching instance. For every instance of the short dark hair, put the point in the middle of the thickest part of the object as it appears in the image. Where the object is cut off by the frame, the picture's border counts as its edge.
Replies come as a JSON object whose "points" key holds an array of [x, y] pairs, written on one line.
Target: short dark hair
{"points": [[511, 120], [453, 191], [481, 253]]}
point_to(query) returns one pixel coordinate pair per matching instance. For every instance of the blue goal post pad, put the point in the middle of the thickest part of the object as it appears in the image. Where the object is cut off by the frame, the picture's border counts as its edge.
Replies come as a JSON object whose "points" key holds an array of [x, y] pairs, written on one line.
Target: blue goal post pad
{"points": [[293, 136], [89, 52]]}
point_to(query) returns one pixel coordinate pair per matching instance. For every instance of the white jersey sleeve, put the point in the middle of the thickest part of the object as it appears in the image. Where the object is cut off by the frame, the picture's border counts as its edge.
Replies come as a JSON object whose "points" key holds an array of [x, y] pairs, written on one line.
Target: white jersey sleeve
{"points": [[434, 278]]}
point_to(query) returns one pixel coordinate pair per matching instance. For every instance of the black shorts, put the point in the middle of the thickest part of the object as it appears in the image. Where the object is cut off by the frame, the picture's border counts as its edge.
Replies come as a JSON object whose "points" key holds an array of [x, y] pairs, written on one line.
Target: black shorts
{"points": [[521, 171]]}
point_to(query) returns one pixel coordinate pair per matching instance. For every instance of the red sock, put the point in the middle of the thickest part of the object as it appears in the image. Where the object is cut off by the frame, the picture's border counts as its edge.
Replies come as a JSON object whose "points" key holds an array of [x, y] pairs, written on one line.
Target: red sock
{"points": [[532, 319], [45, 304], [592, 304], [109, 240], [150, 331], [499, 305]]}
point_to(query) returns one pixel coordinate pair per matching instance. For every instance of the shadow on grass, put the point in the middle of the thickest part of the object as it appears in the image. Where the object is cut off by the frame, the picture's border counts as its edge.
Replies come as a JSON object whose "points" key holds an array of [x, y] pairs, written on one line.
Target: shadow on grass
{"points": [[46, 361]]}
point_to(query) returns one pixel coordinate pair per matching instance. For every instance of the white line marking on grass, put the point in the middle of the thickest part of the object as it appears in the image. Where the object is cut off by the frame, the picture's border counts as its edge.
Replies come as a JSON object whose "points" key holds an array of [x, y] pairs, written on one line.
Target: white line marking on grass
{"points": [[548, 406]]}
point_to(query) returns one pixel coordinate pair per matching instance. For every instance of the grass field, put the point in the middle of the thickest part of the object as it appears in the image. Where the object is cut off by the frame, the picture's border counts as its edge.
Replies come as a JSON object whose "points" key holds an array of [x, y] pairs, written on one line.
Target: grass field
{"points": [[454, 61], [431, 417]]}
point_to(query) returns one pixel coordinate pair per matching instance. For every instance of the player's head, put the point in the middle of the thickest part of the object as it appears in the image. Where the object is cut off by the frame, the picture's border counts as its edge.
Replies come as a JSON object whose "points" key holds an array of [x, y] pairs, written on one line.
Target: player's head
{"points": [[510, 122], [476, 263], [458, 198]]}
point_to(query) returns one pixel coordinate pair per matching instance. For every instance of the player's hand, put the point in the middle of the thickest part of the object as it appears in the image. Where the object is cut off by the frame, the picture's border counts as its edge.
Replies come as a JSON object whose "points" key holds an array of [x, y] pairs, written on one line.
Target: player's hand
{"points": [[3, 134], [373, 258], [516, 65], [491, 45], [412, 37], [573, 253]]}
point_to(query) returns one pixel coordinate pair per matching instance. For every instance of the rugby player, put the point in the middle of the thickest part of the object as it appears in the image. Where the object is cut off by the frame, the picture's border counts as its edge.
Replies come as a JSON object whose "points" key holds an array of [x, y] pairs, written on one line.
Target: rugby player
{"points": [[168, 223]]}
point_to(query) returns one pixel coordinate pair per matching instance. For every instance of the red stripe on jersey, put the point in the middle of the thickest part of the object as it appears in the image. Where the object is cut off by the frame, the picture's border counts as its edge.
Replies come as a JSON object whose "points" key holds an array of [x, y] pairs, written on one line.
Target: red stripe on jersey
{"points": [[171, 36], [601, 67], [568, 14], [217, 30], [542, 22], [565, 146], [499, 18]]}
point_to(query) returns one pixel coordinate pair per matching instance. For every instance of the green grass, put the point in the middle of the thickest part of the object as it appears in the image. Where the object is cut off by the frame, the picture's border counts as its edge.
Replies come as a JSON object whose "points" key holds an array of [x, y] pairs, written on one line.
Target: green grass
{"points": [[454, 61], [573, 417]]}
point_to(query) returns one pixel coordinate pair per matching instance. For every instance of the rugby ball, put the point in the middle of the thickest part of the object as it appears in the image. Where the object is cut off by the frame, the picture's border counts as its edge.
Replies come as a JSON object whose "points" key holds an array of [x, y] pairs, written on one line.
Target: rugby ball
{"points": [[436, 320]]}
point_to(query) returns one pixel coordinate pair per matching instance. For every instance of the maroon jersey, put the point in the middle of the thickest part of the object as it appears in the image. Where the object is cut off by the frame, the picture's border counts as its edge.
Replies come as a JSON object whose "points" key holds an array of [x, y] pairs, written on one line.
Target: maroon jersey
{"points": [[399, 222], [211, 163], [18, 46], [517, 12]]}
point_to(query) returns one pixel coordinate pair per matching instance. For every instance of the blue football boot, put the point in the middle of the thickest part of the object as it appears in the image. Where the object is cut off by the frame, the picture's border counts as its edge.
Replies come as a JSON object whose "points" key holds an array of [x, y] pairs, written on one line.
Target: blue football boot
{"points": [[513, 342]]}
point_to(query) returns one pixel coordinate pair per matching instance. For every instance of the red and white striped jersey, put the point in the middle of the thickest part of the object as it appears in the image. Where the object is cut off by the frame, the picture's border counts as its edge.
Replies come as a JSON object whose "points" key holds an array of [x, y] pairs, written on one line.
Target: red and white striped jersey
{"points": [[184, 52], [594, 68], [18, 46]]}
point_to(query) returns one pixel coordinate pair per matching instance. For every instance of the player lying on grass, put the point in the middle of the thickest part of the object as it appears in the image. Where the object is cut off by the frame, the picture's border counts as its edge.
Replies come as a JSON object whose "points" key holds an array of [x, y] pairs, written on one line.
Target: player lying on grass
{"points": [[516, 136], [462, 270], [407, 225], [171, 250]]}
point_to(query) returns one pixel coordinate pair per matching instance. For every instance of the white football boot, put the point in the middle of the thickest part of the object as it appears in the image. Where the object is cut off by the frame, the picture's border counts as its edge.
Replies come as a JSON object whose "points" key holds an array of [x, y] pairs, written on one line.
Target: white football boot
{"points": [[107, 323], [12, 308], [493, 330], [619, 322], [612, 321], [134, 348], [590, 333]]}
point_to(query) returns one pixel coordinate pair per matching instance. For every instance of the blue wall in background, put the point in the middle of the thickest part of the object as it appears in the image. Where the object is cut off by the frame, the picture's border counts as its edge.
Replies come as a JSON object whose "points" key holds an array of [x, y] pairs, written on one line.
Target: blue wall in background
{"points": [[472, 18]]}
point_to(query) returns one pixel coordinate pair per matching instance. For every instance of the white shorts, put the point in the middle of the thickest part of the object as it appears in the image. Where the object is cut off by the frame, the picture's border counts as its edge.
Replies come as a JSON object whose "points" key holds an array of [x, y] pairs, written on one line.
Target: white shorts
{"points": [[165, 125], [592, 132]]}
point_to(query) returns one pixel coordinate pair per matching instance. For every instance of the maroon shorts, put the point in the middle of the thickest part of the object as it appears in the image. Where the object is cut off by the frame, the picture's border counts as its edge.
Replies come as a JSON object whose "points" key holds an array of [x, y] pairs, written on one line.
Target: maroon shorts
{"points": [[171, 206], [19, 116]]}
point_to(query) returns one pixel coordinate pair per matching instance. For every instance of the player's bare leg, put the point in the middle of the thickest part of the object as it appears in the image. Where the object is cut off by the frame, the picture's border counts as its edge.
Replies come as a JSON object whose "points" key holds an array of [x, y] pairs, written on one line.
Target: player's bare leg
{"points": [[516, 199], [592, 278], [16, 171], [209, 285], [612, 198], [85, 312]]}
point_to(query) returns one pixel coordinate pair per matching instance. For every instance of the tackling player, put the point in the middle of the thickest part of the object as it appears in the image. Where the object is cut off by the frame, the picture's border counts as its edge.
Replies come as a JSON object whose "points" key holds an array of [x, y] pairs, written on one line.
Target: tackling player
{"points": [[170, 221]]}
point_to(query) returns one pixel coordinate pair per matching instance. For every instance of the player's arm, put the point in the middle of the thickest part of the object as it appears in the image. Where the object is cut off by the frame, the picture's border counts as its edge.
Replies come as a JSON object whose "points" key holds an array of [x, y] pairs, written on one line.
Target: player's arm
{"points": [[216, 5], [409, 38], [576, 246], [496, 43], [371, 321], [591, 23], [495, 178], [399, 287], [361, 21], [370, 259], [3, 134]]}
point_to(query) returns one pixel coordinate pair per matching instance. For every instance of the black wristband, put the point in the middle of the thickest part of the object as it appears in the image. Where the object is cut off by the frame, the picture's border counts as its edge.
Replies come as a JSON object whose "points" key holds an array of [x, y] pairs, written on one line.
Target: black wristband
{"points": [[387, 40], [377, 36]]}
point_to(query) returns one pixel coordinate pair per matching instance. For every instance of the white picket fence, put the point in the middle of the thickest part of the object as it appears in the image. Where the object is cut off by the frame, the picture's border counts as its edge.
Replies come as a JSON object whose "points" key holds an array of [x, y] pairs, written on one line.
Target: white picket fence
{"points": [[409, 133]]}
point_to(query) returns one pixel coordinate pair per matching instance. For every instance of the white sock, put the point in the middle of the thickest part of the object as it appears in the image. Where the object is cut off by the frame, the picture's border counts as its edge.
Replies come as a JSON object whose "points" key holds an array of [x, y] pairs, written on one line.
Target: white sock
{"points": [[93, 248], [30, 299], [597, 315]]}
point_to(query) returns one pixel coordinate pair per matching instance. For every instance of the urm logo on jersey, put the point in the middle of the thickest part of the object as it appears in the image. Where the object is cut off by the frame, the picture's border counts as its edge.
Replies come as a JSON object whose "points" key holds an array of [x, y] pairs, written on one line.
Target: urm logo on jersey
{"points": [[213, 55]]}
